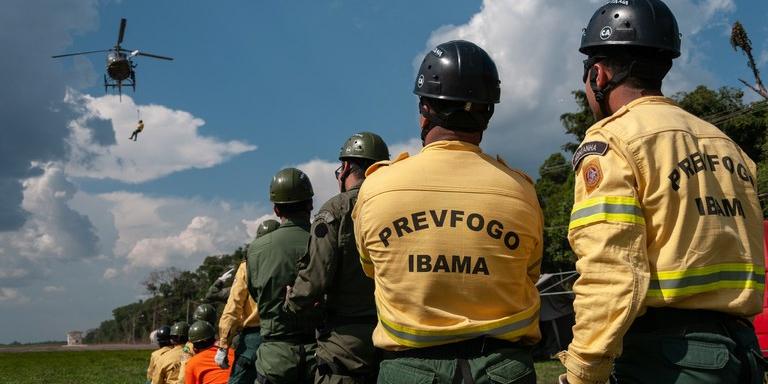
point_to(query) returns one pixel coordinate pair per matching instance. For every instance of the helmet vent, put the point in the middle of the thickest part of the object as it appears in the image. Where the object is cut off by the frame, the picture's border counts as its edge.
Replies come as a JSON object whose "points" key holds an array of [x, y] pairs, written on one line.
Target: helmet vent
{"points": [[616, 16]]}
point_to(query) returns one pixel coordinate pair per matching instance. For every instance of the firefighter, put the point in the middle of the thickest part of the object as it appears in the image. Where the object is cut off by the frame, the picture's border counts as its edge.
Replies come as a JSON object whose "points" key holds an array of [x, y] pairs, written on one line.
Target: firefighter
{"points": [[204, 312], [333, 276], [666, 223], [168, 365], [240, 315], [163, 336], [286, 353], [139, 128], [201, 369], [452, 238]]}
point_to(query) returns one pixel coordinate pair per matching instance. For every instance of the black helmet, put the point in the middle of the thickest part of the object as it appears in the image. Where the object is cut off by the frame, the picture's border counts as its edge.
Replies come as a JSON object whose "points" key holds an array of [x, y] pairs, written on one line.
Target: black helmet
{"points": [[205, 312], [267, 226], [632, 23], [365, 145], [290, 185], [163, 334], [458, 70]]}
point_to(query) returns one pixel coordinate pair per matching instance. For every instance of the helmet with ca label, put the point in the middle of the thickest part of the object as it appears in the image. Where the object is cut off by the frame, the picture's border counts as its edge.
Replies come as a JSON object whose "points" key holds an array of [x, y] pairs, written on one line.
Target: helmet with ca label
{"points": [[365, 145], [458, 70], [632, 23]]}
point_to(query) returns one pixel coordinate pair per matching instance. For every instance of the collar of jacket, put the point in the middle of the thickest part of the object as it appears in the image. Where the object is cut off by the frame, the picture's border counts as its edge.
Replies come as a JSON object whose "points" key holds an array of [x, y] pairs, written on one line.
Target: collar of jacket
{"points": [[295, 223], [626, 107], [643, 100], [451, 145]]}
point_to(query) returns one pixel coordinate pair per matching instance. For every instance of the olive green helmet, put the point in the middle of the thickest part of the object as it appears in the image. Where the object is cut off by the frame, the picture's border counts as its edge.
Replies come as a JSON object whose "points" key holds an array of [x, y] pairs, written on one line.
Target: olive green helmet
{"points": [[201, 331], [365, 145], [205, 312], [267, 226], [290, 185], [180, 329]]}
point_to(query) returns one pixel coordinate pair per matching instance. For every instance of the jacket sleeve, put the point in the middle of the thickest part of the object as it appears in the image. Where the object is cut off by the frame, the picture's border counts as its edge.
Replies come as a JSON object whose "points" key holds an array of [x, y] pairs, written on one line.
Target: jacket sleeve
{"points": [[189, 374], [607, 234], [359, 223], [312, 280], [232, 316], [158, 376]]}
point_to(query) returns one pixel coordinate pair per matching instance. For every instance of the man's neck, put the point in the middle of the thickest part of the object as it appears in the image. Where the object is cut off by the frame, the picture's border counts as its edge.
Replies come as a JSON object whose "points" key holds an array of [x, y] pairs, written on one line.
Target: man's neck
{"points": [[439, 133], [296, 217], [624, 95]]}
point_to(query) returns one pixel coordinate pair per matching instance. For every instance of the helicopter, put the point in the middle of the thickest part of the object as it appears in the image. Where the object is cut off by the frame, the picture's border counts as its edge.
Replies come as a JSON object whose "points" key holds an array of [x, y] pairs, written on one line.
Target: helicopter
{"points": [[120, 67]]}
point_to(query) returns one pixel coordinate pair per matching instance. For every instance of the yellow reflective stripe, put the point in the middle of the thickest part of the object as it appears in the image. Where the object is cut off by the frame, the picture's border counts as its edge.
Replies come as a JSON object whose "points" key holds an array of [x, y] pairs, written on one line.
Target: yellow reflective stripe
{"points": [[738, 267], [675, 292], [615, 200], [667, 284], [365, 260], [508, 328], [619, 209]]}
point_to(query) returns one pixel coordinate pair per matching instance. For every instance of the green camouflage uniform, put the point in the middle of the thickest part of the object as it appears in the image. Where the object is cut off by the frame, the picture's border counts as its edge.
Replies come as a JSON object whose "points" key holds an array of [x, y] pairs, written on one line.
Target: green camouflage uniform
{"points": [[286, 354], [345, 351]]}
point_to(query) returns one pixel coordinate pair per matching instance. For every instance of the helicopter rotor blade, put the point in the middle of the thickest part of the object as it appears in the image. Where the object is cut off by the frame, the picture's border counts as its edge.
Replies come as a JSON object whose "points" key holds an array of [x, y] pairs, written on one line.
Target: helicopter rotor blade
{"points": [[137, 53], [79, 53], [121, 34]]}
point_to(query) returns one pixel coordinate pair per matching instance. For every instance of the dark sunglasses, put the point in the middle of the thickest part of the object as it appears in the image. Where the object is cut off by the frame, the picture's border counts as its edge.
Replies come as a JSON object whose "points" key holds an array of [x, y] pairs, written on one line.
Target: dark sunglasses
{"points": [[588, 63]]}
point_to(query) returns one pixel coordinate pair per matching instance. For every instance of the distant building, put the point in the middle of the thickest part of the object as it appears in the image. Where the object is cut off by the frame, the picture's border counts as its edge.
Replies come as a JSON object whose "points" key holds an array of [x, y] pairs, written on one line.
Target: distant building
{"points": [[74, 338]]}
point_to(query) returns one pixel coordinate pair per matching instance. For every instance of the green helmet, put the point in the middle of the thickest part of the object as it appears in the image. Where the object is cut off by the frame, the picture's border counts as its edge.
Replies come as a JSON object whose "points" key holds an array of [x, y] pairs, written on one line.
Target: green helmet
{"points": [[180, 329], [290, 185], [201, 331], [205, 312], [365, 145], [267, 226]]}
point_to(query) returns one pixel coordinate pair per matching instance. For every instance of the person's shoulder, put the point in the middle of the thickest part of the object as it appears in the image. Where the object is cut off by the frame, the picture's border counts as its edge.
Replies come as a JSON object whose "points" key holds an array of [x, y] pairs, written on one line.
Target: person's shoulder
{"points": [[332, 208], [514, 172], [385, 164]]}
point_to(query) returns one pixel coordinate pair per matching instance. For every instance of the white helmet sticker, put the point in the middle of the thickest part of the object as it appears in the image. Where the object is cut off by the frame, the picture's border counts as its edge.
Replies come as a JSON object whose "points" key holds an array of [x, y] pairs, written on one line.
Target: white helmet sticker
{"points": [[420, 81], [605, 33]]}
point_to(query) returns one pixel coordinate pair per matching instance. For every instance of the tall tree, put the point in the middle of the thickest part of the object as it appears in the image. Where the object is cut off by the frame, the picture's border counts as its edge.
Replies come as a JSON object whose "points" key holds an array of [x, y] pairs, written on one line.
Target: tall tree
{"points": [[740, 39]]}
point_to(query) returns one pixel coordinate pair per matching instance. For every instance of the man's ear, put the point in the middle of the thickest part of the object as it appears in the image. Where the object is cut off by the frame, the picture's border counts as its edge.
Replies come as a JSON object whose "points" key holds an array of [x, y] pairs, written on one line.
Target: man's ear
{"points": [[604, 74], [276, 210], [423, 122]]}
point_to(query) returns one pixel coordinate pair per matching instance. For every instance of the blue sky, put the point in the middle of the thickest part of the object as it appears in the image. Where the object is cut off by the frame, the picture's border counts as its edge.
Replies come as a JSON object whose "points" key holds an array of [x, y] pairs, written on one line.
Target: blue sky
{"points": [[255, 86]]}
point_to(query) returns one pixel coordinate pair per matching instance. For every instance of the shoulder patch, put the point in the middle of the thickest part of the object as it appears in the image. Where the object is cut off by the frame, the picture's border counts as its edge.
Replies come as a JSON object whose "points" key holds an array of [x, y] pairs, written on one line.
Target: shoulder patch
{"points": [[373, 168], [593, 175], [586, 149], [321, 230]]}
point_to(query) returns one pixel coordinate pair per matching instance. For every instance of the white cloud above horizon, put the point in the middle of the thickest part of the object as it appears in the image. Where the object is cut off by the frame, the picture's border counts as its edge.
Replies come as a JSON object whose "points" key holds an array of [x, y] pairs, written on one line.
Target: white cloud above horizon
{"points": [[169, 143]]}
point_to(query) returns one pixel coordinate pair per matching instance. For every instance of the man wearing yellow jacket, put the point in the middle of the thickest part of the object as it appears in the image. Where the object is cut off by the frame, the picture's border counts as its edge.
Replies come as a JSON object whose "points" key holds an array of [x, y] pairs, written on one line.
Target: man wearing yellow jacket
{"points": [[452, 238], [240, 315], [666, 223]]}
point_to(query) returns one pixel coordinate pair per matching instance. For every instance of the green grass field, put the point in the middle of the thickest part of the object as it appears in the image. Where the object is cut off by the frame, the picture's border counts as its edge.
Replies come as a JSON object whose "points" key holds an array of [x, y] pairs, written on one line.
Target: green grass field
{"points": [[118, 367]]}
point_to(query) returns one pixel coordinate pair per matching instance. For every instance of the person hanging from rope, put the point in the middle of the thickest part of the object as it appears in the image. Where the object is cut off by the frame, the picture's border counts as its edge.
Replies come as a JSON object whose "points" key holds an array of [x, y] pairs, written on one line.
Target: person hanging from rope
{"points": [[139, 128]]}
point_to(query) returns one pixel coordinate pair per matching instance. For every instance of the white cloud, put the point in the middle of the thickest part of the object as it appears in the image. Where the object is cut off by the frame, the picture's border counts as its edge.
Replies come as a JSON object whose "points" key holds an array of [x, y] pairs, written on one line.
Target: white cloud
{"points": [[12, 295], [155, 232], [169, 143], [53, 232], [535, 46], [109, 273], [53, 289]]}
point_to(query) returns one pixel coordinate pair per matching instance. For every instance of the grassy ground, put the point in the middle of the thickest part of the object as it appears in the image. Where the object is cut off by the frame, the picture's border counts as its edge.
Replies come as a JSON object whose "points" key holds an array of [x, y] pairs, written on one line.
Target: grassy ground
{"points": [[119, 367]]}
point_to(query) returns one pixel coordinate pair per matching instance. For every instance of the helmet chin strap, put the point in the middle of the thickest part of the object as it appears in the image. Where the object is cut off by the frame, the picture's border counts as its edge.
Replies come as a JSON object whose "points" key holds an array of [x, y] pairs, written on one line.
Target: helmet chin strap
{"points": [[601, 94]]}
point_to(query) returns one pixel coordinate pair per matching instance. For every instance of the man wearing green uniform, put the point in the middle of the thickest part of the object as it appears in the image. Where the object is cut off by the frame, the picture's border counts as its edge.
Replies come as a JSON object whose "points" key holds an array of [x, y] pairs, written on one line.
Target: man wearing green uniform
{"points": [[345, 352], [286, 354]]}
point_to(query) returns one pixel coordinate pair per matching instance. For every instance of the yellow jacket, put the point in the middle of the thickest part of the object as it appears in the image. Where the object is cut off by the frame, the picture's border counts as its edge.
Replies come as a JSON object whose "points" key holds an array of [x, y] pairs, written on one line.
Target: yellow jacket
{"points": [[665, 215], [453, 240], [240, 311], [168, 365], [153, 358]]}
